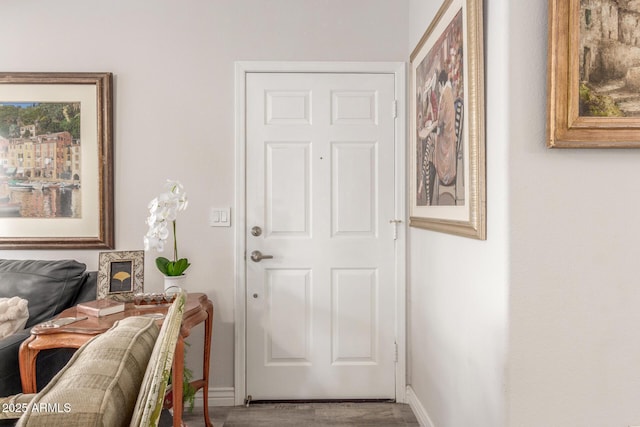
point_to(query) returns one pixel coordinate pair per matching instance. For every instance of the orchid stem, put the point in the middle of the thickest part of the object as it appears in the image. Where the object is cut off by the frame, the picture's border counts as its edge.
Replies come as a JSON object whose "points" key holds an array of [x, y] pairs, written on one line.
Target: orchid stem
{"points": [[175, 242]]}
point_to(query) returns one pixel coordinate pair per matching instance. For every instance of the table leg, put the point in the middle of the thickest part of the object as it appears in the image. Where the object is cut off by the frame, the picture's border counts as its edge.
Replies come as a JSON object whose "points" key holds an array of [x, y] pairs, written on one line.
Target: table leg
{"points": [[177, 380], [27, 359], [208, 330]]}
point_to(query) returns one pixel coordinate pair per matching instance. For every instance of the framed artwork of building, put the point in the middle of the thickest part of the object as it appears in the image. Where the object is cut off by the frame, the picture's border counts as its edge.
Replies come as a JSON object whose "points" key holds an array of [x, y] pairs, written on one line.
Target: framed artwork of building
{"points": [[56, 161], [593, 89]]}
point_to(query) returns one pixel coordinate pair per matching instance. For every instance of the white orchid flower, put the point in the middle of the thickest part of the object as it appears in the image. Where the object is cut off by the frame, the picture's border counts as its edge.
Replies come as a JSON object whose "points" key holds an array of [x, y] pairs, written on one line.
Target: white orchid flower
{"points": [[163, 212]]}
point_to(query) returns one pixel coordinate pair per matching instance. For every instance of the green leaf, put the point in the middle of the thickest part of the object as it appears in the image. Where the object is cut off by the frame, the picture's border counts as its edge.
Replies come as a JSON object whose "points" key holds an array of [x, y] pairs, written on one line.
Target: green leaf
{"points": [[172, 268], [163, 265], [181, 265]]}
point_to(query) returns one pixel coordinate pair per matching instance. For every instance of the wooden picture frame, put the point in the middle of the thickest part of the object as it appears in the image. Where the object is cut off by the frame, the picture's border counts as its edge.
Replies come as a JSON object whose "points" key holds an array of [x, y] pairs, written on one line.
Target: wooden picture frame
{"points": [[56, 161], [120, 275], [447, 136], [591, 69]]}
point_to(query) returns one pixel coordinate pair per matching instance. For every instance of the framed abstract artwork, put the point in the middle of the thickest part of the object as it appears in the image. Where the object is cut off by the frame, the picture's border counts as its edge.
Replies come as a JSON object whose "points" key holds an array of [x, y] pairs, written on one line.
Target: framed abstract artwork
{"points": [[447, 141], [593, 74], [56, 161]]}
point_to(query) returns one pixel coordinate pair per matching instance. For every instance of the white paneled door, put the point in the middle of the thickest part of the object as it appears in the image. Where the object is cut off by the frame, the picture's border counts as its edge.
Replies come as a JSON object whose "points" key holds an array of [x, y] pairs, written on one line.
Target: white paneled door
{"points": [[319, 236]]}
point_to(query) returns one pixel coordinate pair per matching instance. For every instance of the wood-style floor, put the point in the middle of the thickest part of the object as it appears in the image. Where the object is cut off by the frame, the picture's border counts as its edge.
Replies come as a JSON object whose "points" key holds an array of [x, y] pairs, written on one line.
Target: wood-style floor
{"points": [[307, 415]]}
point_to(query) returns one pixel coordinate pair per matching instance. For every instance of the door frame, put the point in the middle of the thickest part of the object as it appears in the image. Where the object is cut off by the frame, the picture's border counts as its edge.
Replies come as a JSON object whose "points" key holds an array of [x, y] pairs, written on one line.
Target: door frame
{"points": [[242, 68]]}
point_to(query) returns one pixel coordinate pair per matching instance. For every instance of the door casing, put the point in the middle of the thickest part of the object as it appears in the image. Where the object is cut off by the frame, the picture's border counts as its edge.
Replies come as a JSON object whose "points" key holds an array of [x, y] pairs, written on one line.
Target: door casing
{"points": [[242, 68]]}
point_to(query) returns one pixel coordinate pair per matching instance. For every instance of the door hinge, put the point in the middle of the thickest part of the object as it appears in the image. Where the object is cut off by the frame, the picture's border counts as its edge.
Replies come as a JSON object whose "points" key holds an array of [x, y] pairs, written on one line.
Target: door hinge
{"points": [[395, 223], [395, 352], [394, 108]]}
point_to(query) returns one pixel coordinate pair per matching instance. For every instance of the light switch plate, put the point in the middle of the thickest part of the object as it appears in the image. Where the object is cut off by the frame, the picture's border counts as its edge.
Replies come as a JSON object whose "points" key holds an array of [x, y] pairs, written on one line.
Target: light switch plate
{"points": [[220, 217]]}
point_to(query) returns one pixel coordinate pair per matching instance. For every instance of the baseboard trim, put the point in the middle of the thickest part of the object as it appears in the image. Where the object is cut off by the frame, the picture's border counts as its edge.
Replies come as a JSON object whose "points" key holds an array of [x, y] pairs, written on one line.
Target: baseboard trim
{"points": [[418, 410], [225, 396], [218, 396]]}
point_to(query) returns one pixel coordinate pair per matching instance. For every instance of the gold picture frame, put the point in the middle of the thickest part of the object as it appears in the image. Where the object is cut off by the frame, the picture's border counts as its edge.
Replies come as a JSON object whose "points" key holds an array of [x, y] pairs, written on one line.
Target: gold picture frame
{"points": [[589, 66], [120, 275], [56, 161], [447, 130]]}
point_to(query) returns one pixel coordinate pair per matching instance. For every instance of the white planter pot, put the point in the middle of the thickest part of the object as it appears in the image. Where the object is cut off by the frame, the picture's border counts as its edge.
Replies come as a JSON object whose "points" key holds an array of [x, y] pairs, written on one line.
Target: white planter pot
{"points": [[175, 281]]}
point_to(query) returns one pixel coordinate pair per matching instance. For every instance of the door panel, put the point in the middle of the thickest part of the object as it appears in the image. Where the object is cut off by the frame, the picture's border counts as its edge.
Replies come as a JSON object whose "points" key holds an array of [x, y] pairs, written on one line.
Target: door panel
{"points": [[320, 184], [289, 323], [353, 194], [287, 188], [354, 326]]}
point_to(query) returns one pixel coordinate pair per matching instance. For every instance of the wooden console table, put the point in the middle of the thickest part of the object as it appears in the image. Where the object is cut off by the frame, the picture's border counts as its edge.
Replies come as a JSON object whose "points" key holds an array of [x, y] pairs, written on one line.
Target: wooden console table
{"points": [[197, 310]]}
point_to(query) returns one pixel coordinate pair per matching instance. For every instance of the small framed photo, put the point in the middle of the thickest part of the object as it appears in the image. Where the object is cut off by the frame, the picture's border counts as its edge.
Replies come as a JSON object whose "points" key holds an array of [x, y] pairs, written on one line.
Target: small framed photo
{"points": [[120, 275]]}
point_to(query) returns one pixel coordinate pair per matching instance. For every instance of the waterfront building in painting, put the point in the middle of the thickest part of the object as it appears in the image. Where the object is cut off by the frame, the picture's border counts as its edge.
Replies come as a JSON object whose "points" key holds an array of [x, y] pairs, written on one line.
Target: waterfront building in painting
{"points": [[609, 39], [73, 162], [54, 156], [4, 154]]}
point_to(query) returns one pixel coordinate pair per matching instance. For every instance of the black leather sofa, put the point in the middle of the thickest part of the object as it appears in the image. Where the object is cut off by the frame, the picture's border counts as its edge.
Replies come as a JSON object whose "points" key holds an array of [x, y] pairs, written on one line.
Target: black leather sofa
{"points": [[49, 287]]}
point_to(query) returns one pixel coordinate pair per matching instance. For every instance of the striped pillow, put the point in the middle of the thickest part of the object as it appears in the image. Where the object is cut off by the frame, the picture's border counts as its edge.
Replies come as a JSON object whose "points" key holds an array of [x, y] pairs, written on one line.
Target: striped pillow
{"points": [[100, 384]]}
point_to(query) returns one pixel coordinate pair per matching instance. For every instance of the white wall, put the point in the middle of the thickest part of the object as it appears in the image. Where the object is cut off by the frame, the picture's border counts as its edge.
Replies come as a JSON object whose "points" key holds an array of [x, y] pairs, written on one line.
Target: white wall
{"points": [[574, 291], [557, 273], [458, 286], [173, 66]]}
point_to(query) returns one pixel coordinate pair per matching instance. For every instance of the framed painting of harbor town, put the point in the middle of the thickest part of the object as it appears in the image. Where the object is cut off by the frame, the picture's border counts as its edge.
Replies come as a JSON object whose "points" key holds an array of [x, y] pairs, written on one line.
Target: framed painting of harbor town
{"points": [[447, 142], [56, 161], [593, 88], [120, 275]]}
